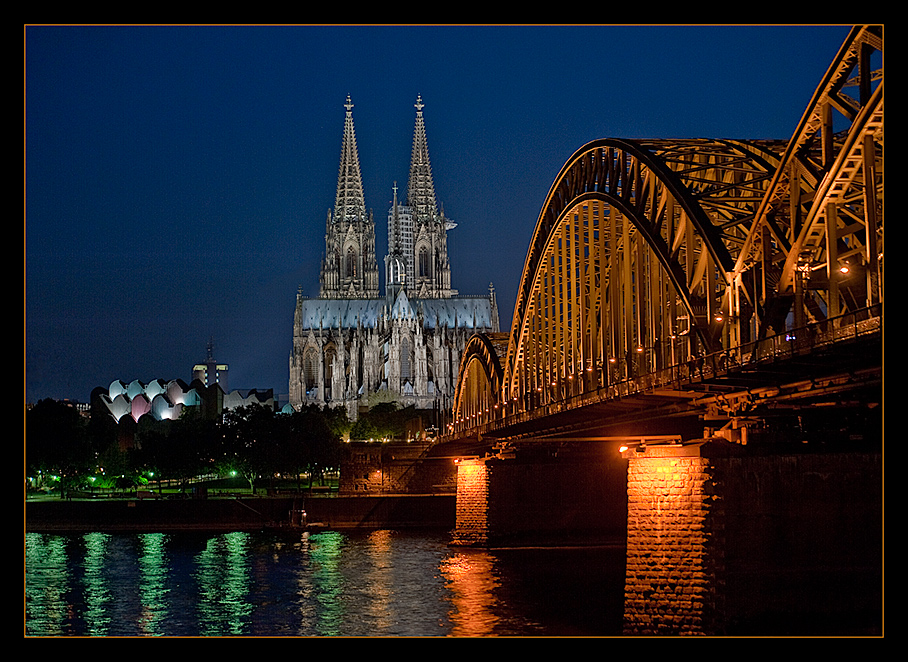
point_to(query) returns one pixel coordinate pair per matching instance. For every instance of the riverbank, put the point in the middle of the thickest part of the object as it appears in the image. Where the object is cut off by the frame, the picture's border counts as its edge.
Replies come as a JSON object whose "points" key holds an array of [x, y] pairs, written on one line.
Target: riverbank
{"points": [[240, 513]]}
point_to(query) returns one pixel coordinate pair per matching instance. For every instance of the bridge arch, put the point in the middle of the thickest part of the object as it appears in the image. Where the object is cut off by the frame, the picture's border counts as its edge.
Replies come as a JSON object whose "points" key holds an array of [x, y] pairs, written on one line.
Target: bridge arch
{"points": [[649, 255], [829, 183], [479, 387], [630, 261]]}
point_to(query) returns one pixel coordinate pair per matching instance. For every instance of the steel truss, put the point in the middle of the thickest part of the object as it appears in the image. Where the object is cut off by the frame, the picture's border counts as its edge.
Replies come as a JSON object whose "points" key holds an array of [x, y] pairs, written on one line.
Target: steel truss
{"points": [[652, 254]]}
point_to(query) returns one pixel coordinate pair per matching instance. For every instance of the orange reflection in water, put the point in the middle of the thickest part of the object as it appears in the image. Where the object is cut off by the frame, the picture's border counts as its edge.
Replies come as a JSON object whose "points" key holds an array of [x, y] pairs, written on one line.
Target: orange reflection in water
{"points": [[472, 583], [380, 581]]}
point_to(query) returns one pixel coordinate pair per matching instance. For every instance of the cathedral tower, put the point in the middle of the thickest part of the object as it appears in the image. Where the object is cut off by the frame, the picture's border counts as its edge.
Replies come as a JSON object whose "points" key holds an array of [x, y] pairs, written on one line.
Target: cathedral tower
{"points": [[349, 267], [353, 348], [417, 233]]}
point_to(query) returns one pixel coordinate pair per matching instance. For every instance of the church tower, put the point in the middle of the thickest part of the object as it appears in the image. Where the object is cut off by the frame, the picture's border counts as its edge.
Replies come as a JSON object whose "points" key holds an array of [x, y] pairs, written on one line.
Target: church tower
{"points": [[353, 348], [349, 267], [417, 233]]}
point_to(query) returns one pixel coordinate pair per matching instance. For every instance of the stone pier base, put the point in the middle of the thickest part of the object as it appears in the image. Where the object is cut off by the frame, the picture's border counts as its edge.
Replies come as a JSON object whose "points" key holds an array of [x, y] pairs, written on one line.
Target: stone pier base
{"points": [[724, 539], [675, 532], [721, 538], [543, 495], [472, 512]]}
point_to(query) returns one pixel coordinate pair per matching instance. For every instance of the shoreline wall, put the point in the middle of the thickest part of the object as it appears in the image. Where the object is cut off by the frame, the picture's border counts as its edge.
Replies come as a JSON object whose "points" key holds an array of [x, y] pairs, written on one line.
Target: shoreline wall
{"points": [[115, 515]]}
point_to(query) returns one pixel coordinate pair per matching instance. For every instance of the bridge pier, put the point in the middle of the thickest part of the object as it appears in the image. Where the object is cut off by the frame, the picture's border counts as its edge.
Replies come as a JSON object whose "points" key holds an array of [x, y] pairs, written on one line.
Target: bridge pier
{"points": [[675, 533], [724, 539], [721, 538], [542, 494]]}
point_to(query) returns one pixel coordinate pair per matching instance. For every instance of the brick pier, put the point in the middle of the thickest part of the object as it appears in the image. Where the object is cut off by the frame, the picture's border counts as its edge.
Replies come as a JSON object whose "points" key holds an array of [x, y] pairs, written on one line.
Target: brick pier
{"points": [[675, 535], [721, 539]]}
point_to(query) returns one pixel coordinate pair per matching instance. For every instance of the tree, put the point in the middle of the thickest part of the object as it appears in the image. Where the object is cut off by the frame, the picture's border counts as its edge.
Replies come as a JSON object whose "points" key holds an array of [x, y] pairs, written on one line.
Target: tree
{"points": [[313, 442], [56, 441], [383, 421], [249, 442]]}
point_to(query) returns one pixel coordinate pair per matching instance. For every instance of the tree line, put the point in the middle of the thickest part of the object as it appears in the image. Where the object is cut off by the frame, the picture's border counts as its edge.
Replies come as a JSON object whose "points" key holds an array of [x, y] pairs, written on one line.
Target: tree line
{"points": [[252, 441]]}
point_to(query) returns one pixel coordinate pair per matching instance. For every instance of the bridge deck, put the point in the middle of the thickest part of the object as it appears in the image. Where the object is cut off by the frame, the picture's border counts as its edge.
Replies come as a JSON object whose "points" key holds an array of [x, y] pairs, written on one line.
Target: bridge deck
{"points": [[839, 367]]}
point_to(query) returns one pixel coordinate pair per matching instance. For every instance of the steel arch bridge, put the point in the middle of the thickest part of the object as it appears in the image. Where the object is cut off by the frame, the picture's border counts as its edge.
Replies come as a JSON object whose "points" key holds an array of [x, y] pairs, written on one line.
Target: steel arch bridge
{"points": [[654, 261]]}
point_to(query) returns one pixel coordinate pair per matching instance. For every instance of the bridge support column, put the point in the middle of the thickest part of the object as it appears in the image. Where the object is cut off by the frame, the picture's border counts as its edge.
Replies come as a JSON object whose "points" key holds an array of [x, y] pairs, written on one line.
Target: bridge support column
{"points": [[675, 542], [472, 516], [774, 539], [543, 494]]}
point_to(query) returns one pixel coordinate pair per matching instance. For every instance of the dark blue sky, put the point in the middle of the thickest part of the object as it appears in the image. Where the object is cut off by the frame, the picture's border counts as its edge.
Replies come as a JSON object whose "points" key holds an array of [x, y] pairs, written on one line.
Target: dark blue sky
{"points": [[178, 178]]}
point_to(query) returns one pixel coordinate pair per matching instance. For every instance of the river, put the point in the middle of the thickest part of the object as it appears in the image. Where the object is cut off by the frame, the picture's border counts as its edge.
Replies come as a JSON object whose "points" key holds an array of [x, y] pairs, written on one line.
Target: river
{"points": [[383, 583]]}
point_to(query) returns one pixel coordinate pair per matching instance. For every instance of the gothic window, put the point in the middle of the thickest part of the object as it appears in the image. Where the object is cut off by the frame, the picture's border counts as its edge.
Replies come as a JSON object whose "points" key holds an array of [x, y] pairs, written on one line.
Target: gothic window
{"points": [[404, 359], [423, 262], [351, 262], [310, 368], [330, 353]]}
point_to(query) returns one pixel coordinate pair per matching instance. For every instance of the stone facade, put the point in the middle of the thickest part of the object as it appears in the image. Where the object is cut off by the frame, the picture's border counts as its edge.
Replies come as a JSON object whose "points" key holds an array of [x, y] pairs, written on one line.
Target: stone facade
{"points": [[724, 539], [564, 494], [355, 348], [374, 468], [674, 564]]}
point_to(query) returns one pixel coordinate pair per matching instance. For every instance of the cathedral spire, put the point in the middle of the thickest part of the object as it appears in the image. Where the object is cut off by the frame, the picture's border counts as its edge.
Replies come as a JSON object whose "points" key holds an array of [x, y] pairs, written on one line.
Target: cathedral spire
{"points": [[350, 203], [349, 345], [349, 268], [417, 230], [421, 188]]}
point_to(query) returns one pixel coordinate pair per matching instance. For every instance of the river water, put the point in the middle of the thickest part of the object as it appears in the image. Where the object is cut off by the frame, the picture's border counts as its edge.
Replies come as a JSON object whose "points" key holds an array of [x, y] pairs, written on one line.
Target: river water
{"points": [[383, 583]]}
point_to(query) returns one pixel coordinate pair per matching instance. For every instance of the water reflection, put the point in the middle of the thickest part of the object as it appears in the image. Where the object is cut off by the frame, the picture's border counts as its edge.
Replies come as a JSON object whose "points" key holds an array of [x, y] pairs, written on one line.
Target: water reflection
{"points": [[97, 590], [47, 581], [223, 579], [153, 585], [380, 583], [326, 583], [472, 584], [380, 580]]}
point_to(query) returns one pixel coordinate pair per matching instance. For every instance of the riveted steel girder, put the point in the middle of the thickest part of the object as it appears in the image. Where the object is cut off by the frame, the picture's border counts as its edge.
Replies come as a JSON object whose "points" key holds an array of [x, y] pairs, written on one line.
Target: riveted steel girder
{"points": [[648, 254]]}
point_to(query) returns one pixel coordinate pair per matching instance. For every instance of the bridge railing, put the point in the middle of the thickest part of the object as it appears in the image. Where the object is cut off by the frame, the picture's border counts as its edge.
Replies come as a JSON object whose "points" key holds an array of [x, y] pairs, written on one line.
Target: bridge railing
{"points": [[811, 337], [594, 388]]}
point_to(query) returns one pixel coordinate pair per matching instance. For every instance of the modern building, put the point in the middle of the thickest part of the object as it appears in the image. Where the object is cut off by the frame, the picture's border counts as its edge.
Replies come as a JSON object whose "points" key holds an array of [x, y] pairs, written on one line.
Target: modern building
{"points": [[166, 399], [353, 346], [211, 372]]}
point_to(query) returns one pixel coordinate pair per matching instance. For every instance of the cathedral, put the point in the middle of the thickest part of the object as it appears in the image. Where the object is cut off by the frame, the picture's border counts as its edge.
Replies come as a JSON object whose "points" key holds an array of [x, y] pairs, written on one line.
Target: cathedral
{"points": [[354, 346]]}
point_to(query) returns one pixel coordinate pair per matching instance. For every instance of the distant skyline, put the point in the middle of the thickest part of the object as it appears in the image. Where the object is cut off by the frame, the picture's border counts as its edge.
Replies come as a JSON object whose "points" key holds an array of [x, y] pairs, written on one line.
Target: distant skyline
{"points": [[178, 178]]}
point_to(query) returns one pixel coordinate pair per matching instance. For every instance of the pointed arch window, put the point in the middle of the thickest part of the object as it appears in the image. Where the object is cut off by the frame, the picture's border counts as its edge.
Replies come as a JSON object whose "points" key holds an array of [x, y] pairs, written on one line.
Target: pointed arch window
{"points": [[310, 368], [351, 262], [423, 262], [405, 360], [330, 354]]}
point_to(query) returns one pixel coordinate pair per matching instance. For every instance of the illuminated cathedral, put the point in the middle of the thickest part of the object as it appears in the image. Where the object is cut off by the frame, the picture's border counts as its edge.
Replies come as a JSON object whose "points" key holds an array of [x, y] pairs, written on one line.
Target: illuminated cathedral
{"points": [[353, 346]]}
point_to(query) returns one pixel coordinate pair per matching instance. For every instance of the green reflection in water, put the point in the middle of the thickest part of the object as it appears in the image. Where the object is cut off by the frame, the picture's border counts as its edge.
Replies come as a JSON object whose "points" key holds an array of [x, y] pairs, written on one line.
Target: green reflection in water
{"points": [[46, 584], [96, 584], [324, 554], [152, 583], [223, 578]]}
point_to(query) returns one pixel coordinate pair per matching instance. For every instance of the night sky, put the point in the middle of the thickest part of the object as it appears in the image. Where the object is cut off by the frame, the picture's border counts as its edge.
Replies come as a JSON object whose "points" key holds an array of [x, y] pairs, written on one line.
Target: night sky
{"points": [[178, 179]]}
